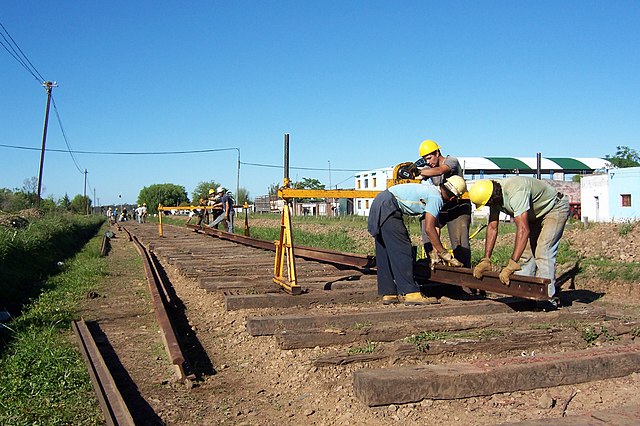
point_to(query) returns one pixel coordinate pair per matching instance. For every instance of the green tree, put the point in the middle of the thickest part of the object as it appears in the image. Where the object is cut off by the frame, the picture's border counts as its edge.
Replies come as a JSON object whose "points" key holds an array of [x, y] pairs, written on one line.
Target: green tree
{"points": [[64, 202], [202, 190], [78, 204], [242, 196], [273, 189], [167, 194], [624, 157], [308, 183]]}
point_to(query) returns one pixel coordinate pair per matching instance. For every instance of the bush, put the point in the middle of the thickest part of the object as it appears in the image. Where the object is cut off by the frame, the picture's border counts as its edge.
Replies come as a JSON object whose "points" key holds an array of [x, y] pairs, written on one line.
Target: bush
{"points": [[30, 254]]}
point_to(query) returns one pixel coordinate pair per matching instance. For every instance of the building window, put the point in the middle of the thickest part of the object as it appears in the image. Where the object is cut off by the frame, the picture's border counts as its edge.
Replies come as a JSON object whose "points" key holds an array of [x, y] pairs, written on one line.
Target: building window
{"points": [[359, 204], [374, 182], [366, 183], [626, 200], [358, 183], [366, 204]]}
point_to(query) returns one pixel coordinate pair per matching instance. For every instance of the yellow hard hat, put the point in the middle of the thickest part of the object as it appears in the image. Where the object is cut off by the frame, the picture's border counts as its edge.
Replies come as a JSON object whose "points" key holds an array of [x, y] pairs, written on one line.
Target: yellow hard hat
{"points": [[427, 147], [456, 185], [211, 191], [480, 192]]}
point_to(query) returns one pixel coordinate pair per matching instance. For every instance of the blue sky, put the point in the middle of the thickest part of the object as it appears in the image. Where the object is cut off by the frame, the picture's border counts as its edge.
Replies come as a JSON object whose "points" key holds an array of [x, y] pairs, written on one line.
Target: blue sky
{"points": [[357, 85]]}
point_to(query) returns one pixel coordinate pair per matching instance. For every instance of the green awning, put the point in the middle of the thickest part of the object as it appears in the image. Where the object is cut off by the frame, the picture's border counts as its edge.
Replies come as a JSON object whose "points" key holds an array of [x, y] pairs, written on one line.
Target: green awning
{"points": [[570, 163], [508, 163]]}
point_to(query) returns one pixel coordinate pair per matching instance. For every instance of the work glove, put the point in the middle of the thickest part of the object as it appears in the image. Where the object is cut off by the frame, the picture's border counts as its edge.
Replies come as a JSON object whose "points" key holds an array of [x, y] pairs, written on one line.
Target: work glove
{"points": [[506, 272], [482, 267], [445, 258], [409, 171]]}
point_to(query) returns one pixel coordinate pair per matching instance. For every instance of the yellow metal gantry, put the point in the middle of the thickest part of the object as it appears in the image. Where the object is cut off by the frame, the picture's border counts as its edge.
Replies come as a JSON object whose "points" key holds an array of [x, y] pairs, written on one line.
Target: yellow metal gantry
{"points": [[285, 257]]}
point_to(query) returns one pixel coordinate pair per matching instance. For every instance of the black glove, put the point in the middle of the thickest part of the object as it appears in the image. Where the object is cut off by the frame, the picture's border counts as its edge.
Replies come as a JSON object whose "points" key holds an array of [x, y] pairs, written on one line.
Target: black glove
{"points": [[409, 171], [421, 162]]}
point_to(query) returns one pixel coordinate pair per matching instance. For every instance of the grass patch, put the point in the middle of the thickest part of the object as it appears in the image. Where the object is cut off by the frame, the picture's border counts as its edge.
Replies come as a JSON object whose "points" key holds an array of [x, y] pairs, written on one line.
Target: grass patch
{"points": [[366, 349], [421, 340], [592, 333], [362, 325], [626, 228], [609, 270], [333, 239], [44, 380]]}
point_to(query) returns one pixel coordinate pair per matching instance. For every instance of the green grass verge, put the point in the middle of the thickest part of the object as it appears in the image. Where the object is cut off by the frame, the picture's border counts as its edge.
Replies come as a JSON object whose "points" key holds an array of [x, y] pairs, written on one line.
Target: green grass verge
{"points": [[29, 255], [43, 378]]}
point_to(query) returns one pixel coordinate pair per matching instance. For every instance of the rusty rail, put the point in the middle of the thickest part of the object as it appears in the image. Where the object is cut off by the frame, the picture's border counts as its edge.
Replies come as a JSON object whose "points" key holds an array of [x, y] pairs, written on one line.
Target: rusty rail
{"points": [[159, 297], [111, 402], [353, 260]]}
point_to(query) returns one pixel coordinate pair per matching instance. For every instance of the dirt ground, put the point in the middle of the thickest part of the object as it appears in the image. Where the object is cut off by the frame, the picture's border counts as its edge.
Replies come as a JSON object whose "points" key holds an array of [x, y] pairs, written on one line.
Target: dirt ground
{"points": [[250, 381]]}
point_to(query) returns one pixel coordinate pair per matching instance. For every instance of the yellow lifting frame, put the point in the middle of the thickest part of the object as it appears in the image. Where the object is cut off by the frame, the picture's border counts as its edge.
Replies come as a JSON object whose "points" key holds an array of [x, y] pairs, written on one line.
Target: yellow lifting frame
{"points": [[284, 246]]}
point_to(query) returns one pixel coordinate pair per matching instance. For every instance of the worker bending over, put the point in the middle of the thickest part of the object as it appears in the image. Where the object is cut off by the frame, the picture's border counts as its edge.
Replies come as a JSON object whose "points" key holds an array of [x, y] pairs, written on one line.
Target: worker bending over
{"points": [[456, 214], [540, 214], [394, 256]]}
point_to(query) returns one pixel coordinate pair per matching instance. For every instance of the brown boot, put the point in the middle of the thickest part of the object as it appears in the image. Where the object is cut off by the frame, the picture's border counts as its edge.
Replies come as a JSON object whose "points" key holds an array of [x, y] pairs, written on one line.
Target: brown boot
{"points": [[390, 299], [418, 299]]}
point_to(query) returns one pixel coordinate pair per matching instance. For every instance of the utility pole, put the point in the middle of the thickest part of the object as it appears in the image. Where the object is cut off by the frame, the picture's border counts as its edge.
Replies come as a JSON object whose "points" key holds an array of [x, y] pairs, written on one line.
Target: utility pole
{"points": [[86, 211], [47, 86], [94, 198]]}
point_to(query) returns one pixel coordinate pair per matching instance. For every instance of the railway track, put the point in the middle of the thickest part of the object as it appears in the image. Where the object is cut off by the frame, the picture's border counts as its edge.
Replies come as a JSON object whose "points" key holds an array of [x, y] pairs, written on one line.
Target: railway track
{"points": [[397, 356]]}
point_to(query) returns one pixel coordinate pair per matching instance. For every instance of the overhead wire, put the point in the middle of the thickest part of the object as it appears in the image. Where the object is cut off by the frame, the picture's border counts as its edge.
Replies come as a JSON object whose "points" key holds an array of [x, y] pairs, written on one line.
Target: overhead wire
{"points": [[18, 54], [194, 151], [64, 135]]}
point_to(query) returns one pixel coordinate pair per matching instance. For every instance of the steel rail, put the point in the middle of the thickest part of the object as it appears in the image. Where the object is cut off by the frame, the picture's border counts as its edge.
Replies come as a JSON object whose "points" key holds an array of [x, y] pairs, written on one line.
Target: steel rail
{"points": [[533, 288], [157, 291], [109, 397], [346, 259]]}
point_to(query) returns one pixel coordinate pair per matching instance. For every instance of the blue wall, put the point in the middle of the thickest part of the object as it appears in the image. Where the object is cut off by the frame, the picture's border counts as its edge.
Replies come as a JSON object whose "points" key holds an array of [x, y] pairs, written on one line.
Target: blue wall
{"points": [[624, 181]]}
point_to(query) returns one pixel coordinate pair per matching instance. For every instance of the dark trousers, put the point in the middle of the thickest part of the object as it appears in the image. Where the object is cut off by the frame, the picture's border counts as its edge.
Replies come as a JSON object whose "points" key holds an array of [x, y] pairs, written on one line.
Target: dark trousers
{"points": [[394, 257]]}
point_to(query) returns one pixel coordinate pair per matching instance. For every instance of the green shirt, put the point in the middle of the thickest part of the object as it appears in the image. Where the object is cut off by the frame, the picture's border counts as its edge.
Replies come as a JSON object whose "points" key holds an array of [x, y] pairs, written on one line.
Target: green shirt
{"points": [[521, 194]]}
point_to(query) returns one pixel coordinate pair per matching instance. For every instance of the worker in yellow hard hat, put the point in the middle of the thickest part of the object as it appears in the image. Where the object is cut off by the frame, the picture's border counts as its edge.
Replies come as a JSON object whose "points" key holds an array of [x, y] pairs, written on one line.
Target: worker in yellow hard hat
{"points": [[455, 214], [540, 213], [394, 255]]}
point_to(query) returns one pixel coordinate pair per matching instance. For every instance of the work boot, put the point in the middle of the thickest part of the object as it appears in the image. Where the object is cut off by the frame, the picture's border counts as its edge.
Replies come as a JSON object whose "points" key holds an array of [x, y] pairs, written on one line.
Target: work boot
{"points": [[549, 305], [390, 299], [418, 299]]}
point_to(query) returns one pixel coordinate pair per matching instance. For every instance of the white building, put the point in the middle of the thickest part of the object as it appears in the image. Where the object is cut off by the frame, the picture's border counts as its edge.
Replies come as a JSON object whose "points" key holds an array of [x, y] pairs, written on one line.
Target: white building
{"points": [[370, 180]]}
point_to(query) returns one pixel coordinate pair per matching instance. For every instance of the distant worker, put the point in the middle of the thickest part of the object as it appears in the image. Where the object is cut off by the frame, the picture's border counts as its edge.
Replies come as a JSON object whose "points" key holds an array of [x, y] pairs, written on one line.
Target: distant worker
{"points": [[109, 215], [456, 214], [540, 214], [394, 255], [226, 202], [197, 213], [141, 213]]}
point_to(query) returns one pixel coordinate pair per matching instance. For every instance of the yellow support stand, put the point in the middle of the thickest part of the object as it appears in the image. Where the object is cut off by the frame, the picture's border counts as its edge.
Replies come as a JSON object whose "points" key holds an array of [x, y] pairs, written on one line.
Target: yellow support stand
{"points": [[160, 219], [285, 255]]}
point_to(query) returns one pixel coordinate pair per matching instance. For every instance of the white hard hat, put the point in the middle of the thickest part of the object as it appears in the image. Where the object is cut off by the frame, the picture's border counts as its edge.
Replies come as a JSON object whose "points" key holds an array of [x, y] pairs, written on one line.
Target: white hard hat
{"points": [[220, 189], [456, 185]]}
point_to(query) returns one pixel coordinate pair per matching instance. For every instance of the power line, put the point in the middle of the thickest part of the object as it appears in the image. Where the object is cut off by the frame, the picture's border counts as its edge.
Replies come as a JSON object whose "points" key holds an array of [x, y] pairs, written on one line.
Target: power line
{"points": [[64, 136], [195, 151], [19, 55], [299, 168]]}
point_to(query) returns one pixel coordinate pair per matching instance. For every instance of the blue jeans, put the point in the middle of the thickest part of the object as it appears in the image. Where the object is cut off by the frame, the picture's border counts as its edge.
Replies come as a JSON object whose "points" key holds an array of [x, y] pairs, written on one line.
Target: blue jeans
{"points": [[220, 218], [539, 257]]}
